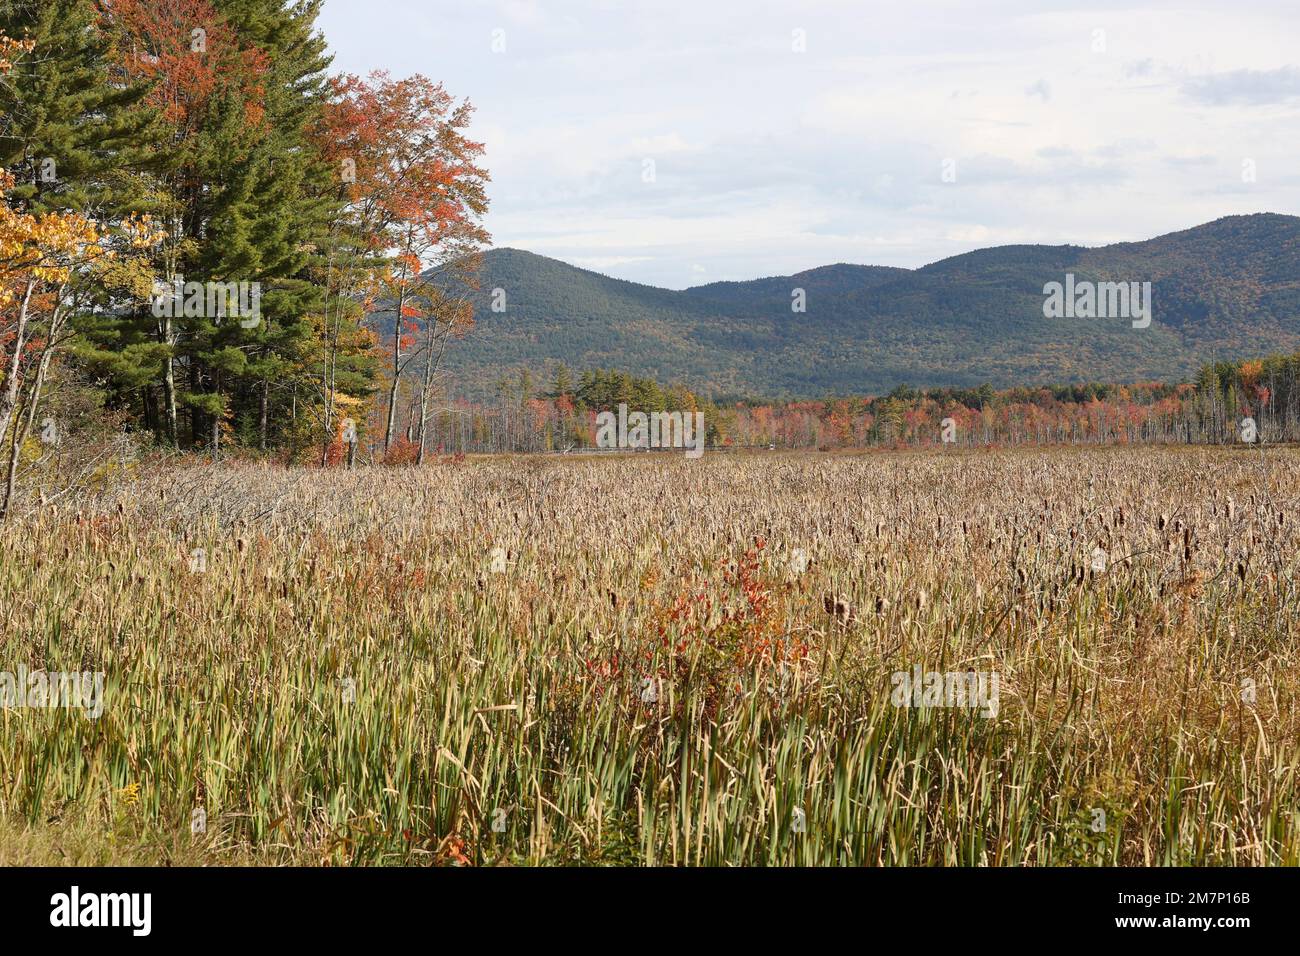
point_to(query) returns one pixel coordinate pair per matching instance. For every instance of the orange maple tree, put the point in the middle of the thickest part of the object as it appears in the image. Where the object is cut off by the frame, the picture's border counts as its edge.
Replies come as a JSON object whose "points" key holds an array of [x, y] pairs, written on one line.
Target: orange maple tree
{"points": [[190, 56], [415, 194]]}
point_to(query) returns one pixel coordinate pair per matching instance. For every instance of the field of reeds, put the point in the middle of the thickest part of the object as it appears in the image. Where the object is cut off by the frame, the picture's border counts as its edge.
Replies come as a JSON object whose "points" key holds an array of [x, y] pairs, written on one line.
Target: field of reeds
{"points": [[657, 661]]}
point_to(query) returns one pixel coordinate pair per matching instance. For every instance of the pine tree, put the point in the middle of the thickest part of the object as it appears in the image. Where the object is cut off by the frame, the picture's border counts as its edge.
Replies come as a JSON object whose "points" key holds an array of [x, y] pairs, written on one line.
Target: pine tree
{"points": [[241, 84], [79, 142], [279, 204], [563, 381], [68, 134]]}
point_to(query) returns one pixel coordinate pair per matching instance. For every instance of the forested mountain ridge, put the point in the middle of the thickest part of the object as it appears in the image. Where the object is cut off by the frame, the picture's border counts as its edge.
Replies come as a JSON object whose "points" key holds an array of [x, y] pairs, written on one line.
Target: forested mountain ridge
{"points": [[1226, 289]]}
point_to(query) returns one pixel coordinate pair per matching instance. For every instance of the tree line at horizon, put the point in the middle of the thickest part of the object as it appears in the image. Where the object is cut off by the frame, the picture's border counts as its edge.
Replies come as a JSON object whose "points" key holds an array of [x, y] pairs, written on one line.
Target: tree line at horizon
{"points": [[526, 417], [154, 145]]}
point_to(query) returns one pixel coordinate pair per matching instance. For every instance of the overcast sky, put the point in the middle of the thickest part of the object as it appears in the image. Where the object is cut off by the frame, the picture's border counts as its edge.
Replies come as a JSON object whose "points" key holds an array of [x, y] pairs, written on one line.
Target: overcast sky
{"points": [[1064, 122]]}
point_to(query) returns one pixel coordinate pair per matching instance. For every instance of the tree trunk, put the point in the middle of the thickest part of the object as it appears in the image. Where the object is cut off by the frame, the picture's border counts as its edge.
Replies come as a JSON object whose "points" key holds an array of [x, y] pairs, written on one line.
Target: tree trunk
{"points": [[263, 411], [216, 419], [12, 469], [397, 369], [327, 392], [23, 424], [169, 383], [196, 416], [9, 397], [149, 408], [430, 366]]}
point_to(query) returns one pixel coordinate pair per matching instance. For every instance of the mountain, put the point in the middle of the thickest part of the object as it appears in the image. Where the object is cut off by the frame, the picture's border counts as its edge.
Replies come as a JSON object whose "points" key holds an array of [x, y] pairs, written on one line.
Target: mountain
{"points": [[1226, 289]]}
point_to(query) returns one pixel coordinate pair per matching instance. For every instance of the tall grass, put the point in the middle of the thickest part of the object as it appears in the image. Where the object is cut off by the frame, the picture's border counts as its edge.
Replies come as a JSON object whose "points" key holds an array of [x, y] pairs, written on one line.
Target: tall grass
{"points": [[680, 664]]}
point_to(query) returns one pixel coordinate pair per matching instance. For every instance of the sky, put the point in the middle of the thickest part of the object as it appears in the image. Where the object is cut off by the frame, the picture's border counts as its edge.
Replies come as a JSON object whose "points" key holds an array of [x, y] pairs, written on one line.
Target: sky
{"points": [[679, 142]]}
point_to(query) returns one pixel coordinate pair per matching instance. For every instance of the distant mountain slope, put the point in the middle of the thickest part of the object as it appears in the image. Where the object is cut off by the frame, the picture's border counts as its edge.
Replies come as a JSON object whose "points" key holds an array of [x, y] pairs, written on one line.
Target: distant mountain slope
{"points": [[1226, 289]]}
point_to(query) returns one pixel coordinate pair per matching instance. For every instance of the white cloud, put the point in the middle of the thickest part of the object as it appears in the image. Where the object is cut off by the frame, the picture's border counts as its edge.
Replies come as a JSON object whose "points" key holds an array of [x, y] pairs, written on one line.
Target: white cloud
{"points": [[770, 161]]}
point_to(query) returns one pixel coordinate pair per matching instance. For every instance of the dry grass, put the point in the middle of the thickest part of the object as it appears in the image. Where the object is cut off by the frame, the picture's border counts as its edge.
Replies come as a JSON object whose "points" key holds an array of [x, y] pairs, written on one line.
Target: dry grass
{"points": [[351, 682]]}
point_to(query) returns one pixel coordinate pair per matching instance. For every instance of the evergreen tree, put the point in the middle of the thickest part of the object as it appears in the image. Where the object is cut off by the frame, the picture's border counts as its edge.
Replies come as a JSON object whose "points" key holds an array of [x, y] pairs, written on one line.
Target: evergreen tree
{"points": [[563, 381], [79, 139], [69, 135], [278, 205]]}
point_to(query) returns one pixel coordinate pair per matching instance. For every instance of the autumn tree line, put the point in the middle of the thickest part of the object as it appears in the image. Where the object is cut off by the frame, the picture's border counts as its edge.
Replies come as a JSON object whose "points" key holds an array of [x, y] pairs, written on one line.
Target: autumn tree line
{"points": [[560, 416], [165, 162]]}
